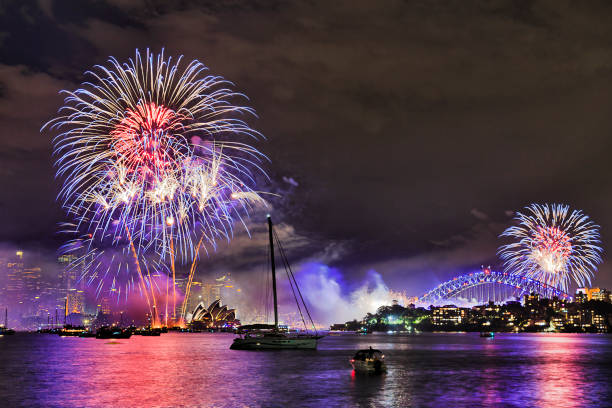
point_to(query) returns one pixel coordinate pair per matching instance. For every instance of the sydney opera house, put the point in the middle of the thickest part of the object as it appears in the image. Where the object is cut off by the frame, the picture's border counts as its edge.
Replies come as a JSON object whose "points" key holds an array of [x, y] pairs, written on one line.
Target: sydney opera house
{"points": [[214, 316]]}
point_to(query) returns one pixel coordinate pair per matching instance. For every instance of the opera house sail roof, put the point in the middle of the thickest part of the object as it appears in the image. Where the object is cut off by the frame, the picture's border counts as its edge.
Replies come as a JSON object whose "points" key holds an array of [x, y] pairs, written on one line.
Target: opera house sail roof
{"points": [[213, 316]]}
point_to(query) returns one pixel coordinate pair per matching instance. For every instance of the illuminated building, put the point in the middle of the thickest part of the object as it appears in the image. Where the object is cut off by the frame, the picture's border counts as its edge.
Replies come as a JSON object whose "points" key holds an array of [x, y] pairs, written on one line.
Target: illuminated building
{"points": [[67, 275], [599, 322], [582, 295], [558, 323], [448, 315], [32, 280], [207, 293], [3, 279], [602, 295], [213, 316], [75, 302], [14, 283], [211, 292], [559, 305], [532, 302], [104, 307], [586, 294], [590, 321]]}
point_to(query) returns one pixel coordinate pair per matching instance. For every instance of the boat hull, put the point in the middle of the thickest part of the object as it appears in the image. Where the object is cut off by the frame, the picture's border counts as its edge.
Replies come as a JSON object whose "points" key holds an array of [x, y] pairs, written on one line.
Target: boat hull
{"points": [[270, 343], [370, 367]]}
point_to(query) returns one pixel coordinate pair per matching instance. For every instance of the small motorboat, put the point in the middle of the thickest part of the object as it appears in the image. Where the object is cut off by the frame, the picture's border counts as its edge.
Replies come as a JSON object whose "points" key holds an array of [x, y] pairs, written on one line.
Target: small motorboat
{"points": [[487, 334], [369, 361]]}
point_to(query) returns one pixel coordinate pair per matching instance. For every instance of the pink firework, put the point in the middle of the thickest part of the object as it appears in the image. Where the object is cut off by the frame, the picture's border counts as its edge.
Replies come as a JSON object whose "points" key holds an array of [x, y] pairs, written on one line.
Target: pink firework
{"points": [[553, 245]]}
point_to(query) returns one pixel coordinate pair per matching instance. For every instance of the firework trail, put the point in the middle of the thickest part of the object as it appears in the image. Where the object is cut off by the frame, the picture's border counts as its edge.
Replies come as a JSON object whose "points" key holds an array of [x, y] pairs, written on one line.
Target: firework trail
{"points": [[153, 156], [552, 245]]}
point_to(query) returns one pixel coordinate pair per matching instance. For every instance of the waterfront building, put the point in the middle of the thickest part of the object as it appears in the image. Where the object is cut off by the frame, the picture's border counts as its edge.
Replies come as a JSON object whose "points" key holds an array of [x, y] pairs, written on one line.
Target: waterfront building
{"points": [[212, 317], [558, 323], [222, 288], [586, 294], [532, 302], [600, 294], [598, 321], [558, 305], [581, 295], [448, 315]]}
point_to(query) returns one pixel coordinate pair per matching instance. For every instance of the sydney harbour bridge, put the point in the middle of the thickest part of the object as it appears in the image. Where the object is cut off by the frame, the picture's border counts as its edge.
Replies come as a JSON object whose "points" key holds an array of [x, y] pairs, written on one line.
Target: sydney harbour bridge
{"points": [[487, 285]]}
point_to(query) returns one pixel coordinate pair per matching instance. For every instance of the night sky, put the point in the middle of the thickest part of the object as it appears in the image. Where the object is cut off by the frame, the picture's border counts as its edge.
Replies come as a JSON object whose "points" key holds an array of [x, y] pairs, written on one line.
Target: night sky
{"points": [[402, 134]]}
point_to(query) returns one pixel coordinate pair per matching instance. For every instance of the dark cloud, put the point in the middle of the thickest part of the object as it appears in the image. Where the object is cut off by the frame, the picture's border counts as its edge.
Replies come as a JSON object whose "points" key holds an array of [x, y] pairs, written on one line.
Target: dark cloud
{"points": [[413, 128]]}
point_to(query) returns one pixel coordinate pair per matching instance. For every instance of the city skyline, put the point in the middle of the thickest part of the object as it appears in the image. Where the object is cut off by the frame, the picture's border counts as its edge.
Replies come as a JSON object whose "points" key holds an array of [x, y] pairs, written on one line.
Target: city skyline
{"points": [[35, 300]]}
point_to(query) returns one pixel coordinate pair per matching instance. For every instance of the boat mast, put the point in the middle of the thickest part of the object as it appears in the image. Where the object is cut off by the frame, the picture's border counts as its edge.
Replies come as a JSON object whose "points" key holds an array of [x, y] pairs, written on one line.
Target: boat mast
{"points": [[6, 317], [273, 271]]}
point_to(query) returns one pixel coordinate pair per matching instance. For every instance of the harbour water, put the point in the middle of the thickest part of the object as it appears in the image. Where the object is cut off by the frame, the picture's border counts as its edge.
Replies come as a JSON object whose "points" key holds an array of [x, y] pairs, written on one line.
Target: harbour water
{"points": [[199, 370]]}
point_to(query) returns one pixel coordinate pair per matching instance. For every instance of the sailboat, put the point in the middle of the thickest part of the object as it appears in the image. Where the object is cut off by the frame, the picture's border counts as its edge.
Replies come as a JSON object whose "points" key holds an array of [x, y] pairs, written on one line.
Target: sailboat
{"points": [[268, 337], [4, 329]]}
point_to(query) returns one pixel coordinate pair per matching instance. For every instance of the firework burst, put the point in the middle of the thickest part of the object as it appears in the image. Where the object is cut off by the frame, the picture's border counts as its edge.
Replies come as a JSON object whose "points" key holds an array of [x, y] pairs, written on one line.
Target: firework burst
{"points": [[553, 245], [153, 151]]}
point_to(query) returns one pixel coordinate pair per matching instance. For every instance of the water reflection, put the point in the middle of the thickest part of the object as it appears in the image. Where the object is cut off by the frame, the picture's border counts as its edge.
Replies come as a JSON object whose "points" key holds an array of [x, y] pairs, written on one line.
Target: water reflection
{"points": [[429, 370], [559, 378]]}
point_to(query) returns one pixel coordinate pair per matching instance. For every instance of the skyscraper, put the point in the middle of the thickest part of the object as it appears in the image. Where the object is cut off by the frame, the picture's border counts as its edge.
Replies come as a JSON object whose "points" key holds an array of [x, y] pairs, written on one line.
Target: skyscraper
{"points": [[3, 281], [15, 283], [32, 280], [75, 302], [210, 292], [105, 306]]}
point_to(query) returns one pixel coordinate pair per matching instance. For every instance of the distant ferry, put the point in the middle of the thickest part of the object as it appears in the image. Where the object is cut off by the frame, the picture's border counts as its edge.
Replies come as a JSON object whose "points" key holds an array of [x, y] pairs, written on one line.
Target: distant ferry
{"points": [[71, 331]]}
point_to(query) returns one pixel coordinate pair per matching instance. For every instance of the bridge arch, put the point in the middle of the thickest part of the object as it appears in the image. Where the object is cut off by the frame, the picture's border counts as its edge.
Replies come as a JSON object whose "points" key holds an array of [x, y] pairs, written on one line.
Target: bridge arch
{"points": [[519, 285]]}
